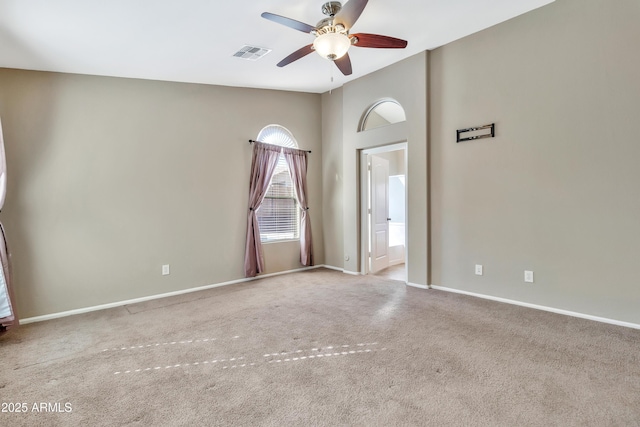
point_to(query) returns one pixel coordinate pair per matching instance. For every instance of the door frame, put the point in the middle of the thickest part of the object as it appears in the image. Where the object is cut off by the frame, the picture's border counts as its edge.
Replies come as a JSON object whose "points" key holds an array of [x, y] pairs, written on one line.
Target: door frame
{"points": [[364, 203]]}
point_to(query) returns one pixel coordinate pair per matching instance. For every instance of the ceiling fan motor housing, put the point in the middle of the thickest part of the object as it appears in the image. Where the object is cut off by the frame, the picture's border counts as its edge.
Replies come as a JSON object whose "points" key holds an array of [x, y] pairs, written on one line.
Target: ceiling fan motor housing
{"points": [[331, 8]]}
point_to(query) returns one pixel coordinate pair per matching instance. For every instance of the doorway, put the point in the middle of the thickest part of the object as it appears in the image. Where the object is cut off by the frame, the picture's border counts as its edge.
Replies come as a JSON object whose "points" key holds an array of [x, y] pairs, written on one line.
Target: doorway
{"points": [[383, 189]]}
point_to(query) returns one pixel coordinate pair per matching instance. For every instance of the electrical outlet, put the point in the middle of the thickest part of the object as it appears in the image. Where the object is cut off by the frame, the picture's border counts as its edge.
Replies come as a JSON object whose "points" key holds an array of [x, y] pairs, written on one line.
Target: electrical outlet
{"points": [[165, 270], [528, 276], [478, 270]]}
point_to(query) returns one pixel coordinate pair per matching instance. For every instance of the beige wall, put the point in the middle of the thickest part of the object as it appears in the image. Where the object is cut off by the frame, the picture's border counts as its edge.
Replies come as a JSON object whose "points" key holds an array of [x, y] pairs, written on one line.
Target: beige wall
{"points": [[332, 178], [405, 82], [111, 178], [557, 190]]}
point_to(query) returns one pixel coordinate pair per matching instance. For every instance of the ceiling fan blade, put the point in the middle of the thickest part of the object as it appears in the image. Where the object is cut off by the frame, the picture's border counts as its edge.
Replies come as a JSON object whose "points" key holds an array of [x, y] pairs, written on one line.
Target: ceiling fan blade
{"points": [[300, 53], [291, 23], [378, 41], [344, 64], [350, 13]]}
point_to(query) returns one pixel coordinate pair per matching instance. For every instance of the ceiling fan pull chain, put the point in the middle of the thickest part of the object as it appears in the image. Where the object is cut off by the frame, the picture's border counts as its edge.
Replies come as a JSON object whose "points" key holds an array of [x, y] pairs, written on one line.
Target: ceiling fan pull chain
{"points": [[331, 74]]}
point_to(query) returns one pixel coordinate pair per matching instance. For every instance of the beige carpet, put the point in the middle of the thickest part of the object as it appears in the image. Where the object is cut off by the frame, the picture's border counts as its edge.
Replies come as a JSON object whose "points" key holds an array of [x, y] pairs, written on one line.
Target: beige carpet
{"points": [[321, 348], [395, 272]]}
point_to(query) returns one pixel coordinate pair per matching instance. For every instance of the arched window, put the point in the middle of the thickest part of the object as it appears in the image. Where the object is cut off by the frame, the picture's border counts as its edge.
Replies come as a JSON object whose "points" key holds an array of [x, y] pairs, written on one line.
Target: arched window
{"points": [[382, 113], [279, 215]]}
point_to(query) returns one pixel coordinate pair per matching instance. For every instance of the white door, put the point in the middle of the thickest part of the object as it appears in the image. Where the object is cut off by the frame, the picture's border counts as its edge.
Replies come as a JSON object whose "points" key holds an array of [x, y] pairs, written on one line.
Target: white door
{"points": [[379, 219]]}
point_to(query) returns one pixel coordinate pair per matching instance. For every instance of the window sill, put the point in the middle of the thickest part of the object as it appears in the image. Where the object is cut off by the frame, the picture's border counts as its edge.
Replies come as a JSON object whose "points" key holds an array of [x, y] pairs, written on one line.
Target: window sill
{"points": [[271, 242]]}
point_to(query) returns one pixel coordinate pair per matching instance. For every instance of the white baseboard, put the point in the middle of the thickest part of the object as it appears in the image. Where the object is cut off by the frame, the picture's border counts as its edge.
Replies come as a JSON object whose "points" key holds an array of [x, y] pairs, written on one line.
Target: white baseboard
{"points": [[415, 285], [540, 307], [157, 296], [353, 273], [330, 267]]}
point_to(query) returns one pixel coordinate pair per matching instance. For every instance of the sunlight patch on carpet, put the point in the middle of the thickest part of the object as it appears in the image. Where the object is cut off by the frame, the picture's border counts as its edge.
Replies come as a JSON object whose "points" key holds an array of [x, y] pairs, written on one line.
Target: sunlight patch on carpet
{"points": [[167, 343], [331, 347], [276, 358]]}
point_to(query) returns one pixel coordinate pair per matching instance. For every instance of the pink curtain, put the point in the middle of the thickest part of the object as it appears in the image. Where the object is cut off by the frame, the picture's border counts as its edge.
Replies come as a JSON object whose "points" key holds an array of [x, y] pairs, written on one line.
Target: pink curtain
{"points": [[8, 316], [297, 162], [10, 319], [265, 159]]}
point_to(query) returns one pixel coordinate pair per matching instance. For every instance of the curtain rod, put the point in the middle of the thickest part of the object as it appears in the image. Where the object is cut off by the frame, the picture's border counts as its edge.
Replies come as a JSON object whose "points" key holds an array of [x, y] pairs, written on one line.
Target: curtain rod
{"points": [[251, 141]]}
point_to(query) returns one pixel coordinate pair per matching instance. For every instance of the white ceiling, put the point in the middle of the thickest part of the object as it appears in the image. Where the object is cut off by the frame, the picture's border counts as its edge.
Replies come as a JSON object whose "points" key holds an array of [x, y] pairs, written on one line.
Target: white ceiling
{"points": [[194, 40]]}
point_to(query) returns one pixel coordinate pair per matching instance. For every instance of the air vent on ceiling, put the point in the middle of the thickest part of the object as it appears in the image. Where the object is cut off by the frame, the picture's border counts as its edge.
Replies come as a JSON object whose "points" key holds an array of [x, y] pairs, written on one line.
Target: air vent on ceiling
{"points": [[251, 53]]}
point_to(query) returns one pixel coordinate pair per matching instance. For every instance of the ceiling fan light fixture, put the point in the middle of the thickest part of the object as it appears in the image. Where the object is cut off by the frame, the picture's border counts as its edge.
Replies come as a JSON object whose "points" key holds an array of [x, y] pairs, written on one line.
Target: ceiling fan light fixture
{"points": [[331, 45], [332, 38]]}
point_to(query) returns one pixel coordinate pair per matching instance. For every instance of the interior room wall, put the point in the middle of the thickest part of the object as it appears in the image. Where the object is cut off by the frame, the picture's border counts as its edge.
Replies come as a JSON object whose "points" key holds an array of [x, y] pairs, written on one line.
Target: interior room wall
{"points": [[332, 178], [556, 191], [405, 82], [109, 179]]}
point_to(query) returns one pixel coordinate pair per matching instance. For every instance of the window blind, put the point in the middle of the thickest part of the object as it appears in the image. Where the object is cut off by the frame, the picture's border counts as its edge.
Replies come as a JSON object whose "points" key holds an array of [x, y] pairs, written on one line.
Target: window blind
{"points": [[279, 216]]}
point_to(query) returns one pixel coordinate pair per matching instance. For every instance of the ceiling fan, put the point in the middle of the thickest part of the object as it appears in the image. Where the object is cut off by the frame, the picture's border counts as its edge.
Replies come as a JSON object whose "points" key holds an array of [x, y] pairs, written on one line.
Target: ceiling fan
{"points": [[332, 34]]}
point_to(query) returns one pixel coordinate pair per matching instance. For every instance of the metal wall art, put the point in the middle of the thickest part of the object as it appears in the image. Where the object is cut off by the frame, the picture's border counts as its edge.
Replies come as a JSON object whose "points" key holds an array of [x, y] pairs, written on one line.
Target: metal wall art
{"points": [[488, 131]]}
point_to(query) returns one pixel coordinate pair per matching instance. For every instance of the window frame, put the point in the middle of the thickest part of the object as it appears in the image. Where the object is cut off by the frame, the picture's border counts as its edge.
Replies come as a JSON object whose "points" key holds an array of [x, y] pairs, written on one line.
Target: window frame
{"points": [[280, 136]]}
